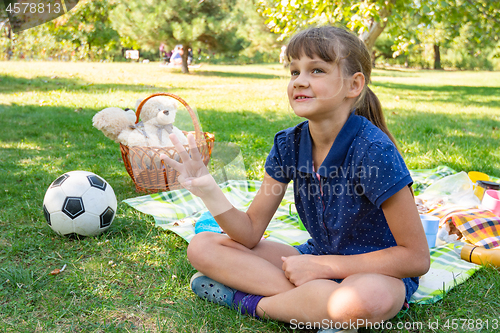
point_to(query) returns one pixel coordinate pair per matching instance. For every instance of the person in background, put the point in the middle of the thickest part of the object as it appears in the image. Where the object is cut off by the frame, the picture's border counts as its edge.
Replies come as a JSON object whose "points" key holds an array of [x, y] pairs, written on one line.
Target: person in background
{"points": [[163, 53], [283, 56], [190, 56], [176, 59]]}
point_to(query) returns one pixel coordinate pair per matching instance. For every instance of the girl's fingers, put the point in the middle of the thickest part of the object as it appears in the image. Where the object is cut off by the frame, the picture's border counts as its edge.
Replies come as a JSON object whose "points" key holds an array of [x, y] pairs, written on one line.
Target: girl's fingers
{"points": [[193, 148], [172, 163], [186, 183], [180, 148]]}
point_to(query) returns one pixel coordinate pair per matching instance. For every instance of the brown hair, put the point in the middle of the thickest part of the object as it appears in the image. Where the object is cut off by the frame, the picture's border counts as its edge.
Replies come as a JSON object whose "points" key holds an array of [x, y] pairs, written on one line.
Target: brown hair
{"points": [[340, 46]]}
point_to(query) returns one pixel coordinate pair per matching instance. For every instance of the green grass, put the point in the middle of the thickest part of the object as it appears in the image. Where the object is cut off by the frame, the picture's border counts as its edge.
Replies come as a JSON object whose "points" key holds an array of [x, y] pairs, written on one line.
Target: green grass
{"points": [[135, 277]]}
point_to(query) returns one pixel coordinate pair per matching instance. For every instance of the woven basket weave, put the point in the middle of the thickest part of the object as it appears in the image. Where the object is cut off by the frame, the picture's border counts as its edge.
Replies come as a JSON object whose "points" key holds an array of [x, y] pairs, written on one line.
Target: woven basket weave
{"points": [[144, 165]]}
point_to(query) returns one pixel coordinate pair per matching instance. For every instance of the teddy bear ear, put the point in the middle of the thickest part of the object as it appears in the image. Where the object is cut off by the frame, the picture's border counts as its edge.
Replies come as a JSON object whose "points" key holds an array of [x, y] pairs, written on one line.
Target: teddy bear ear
{"points": [[171, 105], [138, 102]]}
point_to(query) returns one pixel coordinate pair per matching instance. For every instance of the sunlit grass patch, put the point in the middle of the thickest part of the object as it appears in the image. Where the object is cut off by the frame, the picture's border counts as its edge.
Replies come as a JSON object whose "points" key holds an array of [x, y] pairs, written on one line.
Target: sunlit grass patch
{"points": [[135, 278]]}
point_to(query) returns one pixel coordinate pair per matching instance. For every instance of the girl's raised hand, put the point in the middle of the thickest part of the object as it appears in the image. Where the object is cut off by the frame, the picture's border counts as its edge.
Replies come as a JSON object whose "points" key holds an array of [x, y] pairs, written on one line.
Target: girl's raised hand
{"points": [[193, 174]]}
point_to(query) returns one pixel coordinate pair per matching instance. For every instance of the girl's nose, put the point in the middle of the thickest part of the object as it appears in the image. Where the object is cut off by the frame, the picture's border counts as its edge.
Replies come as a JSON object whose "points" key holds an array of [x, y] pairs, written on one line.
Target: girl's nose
{"points": [[300, 81]]}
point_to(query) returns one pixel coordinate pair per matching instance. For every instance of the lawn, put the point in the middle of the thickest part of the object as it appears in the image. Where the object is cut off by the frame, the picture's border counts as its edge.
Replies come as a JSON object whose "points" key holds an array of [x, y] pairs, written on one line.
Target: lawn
{"points": [[135, 277]]}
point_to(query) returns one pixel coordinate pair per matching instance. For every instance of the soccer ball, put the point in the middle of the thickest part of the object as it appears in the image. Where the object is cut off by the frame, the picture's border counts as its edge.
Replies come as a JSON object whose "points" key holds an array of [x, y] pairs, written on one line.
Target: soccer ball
{"points": [[79, 203]]}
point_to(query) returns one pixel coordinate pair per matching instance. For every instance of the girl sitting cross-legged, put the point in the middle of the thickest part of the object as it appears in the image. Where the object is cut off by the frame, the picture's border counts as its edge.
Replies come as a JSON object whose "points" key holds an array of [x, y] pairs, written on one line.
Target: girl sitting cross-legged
{"points": [[352, 192]]}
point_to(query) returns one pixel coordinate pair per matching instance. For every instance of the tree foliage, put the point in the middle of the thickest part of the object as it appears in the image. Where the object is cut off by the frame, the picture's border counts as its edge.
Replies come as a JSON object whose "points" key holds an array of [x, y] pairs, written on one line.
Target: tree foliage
{"points": [[405, 21], [83, 32], [3, 12], [367, 18], [229, 30], [443, 23], [232, 29], [88, 25], [209, 23]]}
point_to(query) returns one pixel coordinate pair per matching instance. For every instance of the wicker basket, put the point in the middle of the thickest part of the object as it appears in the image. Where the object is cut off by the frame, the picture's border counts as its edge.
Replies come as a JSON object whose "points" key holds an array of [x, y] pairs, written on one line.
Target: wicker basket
{"points": [[144, 165]]}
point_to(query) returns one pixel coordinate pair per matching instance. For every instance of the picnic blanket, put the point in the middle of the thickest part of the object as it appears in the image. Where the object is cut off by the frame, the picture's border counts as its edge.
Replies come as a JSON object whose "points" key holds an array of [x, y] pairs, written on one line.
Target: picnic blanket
{"points": [[480, 227], [178, 211]]}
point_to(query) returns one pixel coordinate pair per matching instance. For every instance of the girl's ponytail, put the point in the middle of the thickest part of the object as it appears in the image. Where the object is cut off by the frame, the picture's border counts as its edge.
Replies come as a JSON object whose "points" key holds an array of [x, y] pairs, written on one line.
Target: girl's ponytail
{"points": [[371, 108]]}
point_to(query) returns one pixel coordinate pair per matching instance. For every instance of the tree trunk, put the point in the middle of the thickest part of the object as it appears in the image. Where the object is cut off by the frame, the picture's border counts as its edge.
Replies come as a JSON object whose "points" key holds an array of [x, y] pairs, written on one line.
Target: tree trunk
{"points": [[9, 36], [370, 36], [89, 54], [437, 57], [184, 67]]}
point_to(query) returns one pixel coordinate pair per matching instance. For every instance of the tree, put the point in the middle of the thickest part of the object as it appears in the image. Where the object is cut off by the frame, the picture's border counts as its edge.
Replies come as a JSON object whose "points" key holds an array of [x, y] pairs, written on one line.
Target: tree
{"points": [[3, 12], [6, 30], [440, 22], [260, 43], [367, 18], [404, 20], [88, 25], [209, 23]]}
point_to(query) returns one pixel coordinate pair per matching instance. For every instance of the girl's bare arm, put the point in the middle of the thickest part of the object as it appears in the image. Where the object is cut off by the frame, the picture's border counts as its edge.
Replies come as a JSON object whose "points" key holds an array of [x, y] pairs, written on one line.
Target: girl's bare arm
{"points": [[246, 228]]}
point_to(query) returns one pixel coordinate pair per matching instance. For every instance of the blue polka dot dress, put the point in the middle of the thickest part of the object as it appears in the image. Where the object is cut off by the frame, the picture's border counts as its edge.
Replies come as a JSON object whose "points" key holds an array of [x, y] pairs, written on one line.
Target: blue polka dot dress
{"points": [[340, 201]]}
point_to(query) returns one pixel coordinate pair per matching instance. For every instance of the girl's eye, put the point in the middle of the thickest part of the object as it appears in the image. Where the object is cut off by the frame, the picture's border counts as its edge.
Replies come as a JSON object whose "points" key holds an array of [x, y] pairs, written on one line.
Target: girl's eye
{"points": [[294, 73], [317, 71]]}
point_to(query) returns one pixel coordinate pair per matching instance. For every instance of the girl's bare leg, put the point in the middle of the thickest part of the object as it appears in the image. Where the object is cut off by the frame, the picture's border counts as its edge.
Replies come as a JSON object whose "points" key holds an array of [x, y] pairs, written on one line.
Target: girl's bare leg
{"points": [[360, 298], [256, 271]]}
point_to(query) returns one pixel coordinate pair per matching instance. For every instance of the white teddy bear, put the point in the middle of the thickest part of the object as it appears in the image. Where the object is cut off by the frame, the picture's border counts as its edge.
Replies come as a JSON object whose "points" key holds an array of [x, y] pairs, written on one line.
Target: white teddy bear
{"points": [[111, 121], [157, 115]]}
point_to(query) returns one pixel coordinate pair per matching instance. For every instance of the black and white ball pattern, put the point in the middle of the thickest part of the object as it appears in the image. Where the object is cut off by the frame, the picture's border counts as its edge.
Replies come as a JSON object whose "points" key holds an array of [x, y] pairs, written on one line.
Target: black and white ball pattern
{"points": [[79, 203]]}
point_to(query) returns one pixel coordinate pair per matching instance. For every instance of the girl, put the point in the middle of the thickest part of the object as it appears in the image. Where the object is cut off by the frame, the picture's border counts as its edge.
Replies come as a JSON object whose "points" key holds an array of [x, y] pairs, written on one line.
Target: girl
{"points": [[352, 193]]}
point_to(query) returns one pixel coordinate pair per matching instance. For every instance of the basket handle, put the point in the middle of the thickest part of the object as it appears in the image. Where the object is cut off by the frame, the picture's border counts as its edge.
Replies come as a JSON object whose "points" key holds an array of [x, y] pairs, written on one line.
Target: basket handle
{"points": [[196, 124]]}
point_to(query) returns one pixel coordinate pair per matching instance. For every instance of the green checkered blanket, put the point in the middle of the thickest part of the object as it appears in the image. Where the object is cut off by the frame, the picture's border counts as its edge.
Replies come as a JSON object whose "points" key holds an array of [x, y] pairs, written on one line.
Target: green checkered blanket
{"points": [[179, 210]]}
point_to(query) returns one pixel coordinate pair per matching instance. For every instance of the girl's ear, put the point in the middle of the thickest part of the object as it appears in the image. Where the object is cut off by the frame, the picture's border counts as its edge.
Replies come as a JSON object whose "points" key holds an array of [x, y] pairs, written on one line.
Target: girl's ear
{"points": [[357, 84]]}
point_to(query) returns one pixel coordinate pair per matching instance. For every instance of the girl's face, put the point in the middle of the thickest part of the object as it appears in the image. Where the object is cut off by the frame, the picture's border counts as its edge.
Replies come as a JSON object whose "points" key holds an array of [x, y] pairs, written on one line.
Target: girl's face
{"points": [[317, 88]]}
